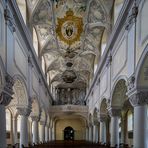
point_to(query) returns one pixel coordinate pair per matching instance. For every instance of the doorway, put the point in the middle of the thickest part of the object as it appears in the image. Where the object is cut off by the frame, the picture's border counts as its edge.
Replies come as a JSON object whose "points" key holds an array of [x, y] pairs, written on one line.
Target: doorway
{"points": [[68, 133]]}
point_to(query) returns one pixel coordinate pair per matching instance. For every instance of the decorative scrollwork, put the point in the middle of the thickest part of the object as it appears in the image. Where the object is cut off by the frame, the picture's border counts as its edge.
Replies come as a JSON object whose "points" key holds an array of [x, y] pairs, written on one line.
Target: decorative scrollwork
{"points": [[69, 28]]}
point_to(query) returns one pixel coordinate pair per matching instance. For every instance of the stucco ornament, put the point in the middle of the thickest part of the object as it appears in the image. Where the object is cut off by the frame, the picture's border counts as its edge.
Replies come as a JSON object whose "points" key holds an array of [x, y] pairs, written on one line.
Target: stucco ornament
{"points": [[69, 28], [70, 33], [7, 92]]}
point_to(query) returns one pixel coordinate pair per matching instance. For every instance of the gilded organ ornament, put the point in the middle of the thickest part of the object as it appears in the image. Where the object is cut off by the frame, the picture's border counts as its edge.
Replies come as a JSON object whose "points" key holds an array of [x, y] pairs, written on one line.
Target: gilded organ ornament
{"points": [[69, 28]]}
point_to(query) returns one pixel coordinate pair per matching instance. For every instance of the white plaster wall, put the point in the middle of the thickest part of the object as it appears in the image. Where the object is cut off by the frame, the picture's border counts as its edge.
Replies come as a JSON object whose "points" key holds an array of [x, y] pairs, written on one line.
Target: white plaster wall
{"points": [[2, 35], [17, 59], [141, 29], [119, 60], [14, 53], [35, 82], [131, 51]]}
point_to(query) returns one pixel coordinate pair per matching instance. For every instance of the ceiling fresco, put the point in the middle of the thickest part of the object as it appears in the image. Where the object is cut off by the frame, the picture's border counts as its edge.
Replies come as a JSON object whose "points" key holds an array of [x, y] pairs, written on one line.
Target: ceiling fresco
{"points": [[70, 34]]}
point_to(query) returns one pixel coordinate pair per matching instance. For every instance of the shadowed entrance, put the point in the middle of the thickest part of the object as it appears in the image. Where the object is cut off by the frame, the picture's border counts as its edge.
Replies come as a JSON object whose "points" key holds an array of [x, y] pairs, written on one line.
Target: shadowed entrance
{"points": [[68, 133]]}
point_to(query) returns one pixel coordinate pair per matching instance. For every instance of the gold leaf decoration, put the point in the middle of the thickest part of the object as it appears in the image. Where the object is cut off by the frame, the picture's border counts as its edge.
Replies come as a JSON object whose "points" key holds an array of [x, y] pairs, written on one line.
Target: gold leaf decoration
{"points": [[69, 28]]}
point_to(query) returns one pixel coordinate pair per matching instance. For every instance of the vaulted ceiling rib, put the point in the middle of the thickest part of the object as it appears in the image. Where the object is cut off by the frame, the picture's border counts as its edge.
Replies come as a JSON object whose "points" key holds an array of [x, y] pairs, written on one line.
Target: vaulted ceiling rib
{"points": [[70, 34]]}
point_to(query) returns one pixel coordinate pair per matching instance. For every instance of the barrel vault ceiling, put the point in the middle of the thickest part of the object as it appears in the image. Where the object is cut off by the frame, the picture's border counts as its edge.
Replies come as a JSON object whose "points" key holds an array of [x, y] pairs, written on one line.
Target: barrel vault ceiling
{"points": [[69, 34]]}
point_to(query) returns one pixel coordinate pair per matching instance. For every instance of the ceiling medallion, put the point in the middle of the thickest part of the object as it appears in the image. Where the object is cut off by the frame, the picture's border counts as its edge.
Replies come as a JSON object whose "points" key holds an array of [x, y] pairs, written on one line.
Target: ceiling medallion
{"points": [[69, 64], [69, 28], [69, 76]]}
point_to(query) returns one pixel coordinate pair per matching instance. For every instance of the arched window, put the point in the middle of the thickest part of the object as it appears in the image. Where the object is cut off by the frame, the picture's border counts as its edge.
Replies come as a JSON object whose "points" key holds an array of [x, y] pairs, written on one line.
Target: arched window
{"points": [[43, 64], [130, 127], [103, 43], [95, 64], [23, 8], [48, 79], [120, 125], [35, 41], [129, 121], [117, 7], [95, 68], [18, 123], [8, 120]]}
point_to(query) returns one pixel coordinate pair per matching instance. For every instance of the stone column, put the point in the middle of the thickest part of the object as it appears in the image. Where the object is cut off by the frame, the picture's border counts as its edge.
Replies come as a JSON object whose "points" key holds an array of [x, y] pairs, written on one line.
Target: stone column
{"points": [[5, 98], [90, 133], [102, 120], [124, 128], [35, 130], [50, 137], [30, 140], [115, 114], [46, 133], [53, 133], [87, 134], [2, 126], [4, 101], [24, 113], [14, 130], [95, 132], [42, 131], [139, 101]]}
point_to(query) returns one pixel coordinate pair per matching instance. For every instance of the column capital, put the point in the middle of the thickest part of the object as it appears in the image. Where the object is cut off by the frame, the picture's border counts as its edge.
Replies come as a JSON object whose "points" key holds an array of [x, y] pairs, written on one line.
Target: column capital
{"points": [[42, 123], [90, 124], [9, 82], [5, 99], [102, 118], [23, 111], [7, 92], [114, 112], [139, 98], [95, 122], [46, 125], [35, 118]]}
